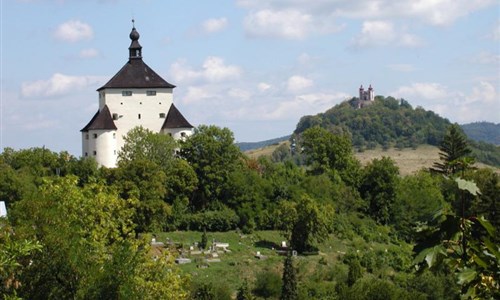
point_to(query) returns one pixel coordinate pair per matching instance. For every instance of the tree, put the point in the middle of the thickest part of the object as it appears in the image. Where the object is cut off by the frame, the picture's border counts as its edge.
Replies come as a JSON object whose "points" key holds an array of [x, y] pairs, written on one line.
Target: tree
{"points": [[143, 144], [454, 151], [213, 155], [417, 199], [15, 257], [465, 245], [289, 280], [378, 188], [326, 151], [304, 222], [89, 249]]}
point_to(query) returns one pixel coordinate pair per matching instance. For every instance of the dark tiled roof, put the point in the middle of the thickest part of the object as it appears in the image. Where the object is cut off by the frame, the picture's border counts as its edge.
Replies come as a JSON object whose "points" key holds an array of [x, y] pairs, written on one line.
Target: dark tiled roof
{"points": [[175, 119], [101, 120], [136, 74]]}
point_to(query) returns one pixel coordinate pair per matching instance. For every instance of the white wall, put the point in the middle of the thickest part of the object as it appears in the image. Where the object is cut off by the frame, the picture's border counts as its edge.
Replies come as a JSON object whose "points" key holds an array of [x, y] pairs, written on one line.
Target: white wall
{"points": [[128, 109]]}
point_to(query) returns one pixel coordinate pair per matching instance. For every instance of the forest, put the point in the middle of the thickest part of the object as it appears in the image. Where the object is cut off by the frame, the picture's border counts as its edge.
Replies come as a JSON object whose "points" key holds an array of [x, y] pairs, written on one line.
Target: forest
{"points": [[78, 231]]}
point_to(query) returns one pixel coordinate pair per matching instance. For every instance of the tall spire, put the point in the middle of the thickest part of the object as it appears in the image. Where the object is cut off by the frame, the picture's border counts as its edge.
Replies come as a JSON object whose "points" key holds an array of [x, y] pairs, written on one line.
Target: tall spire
{"points": [[135, 49]]}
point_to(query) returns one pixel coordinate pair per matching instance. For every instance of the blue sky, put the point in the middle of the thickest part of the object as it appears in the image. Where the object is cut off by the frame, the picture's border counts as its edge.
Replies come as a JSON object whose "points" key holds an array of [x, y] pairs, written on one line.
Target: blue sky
{"points": [[254, 66]]}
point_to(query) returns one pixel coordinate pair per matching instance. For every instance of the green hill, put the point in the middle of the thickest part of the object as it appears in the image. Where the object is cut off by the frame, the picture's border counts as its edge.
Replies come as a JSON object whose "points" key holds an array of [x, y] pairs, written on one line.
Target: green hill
{"points": [[388, 122], [483, 132]]}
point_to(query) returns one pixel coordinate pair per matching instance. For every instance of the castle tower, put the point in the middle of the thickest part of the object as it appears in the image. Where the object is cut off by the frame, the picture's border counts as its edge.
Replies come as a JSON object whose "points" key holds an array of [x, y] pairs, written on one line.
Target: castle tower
{"points": [[371, 94], [135, 96]]}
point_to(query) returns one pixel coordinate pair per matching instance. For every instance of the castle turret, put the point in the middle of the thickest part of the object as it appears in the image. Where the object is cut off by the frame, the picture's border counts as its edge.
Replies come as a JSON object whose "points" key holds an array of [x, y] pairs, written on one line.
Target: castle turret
{"points": [[361, 92]]}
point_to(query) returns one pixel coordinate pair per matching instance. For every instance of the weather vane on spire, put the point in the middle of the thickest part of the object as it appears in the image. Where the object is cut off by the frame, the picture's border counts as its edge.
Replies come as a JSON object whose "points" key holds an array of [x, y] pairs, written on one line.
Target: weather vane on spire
{"points": [[133, 23]]}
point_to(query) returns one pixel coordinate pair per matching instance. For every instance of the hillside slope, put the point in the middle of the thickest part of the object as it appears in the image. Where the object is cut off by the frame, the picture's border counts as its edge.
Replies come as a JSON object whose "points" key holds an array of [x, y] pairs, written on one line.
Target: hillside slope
{"points": [[483, 132]]}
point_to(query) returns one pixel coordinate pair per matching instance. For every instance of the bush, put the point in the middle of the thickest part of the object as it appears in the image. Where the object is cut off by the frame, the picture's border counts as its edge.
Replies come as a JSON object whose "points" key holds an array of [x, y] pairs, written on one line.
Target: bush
{"points": [[211, 220], [268, 285]]}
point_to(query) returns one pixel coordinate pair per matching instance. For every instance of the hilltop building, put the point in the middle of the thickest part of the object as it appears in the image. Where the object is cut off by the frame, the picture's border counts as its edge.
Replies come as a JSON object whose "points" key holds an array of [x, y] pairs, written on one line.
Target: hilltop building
{"points": [[135, 96], [365, 97]]}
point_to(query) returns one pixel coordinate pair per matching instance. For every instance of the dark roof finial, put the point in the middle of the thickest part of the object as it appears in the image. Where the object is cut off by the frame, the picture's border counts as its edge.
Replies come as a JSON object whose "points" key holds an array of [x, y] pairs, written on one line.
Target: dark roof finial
{"points": [[133, 23]]}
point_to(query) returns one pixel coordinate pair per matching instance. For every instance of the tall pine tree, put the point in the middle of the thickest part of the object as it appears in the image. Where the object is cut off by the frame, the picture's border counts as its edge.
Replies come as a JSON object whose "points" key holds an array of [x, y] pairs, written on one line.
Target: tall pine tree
{"points": [[289, 287], [454, 151]]}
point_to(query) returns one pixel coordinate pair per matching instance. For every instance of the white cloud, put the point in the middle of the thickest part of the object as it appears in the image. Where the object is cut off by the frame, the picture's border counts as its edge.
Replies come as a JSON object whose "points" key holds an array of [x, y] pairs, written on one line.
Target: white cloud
{"points": [[238, 93], [425, 90], [487, 58], [288, 24], [214, 25], [481, 104], [262, 86], [298, 83], [214, 69], [58, 85], [89, 53], [495, 33], [73, 31], [382, 33], [434, 12], [303, 105]]}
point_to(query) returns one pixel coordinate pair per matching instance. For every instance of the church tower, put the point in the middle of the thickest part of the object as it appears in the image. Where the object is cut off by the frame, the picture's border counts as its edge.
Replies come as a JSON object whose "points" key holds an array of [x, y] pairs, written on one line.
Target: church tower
{"points": [[135, 96]]}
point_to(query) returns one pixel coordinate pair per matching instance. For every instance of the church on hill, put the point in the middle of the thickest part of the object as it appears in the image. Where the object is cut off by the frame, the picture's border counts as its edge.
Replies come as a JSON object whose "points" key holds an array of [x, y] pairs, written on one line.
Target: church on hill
{"points": [[135, 96]]}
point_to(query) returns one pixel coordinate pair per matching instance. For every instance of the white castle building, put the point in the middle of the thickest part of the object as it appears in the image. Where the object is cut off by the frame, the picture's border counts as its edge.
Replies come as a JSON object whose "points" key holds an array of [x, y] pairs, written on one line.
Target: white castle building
{"points": [[366, 95], [135, 96]]}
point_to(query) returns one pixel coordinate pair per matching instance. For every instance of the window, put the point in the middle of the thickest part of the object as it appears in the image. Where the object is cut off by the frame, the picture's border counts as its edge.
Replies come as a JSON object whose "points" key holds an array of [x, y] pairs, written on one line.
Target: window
{"points": [[159, 103], [87, 136], [150, 93], [95, 153], [86, 154], [140, 103], [183, 134], [169, 134], [162, 115], [95, 135], [115, 116], [126, 93], [114, 135], [139, 116], [114, 152]]}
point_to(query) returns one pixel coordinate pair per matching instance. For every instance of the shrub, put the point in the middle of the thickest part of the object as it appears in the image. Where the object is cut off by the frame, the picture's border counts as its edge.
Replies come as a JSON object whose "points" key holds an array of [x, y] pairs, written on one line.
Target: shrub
{"points": [[268, 285]]}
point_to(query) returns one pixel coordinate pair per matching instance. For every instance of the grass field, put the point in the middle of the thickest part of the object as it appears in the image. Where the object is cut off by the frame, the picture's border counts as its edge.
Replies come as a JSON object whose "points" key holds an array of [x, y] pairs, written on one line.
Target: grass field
{"points": [[408, 160], [241, 264]]}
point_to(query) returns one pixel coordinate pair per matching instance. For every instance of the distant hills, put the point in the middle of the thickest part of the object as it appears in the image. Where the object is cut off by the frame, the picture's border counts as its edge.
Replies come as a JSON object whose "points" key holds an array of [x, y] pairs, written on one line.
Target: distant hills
{"points": [[483, 132], [245, 146], [389, 122]]}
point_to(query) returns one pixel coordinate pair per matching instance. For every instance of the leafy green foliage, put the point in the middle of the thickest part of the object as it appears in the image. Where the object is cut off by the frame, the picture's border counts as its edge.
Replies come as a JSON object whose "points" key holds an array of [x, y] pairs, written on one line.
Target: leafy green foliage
{"points": [[326, 151], [378, 188], [268, 285], [87, 233], [244, 292], [143, 144], [212, 154], [15, 256], [469, 250], [418, 197], [304, 223]]}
